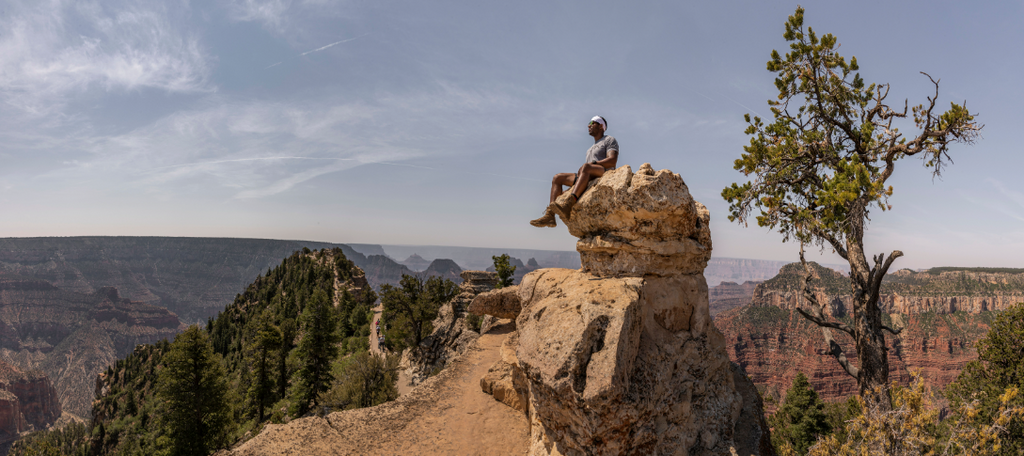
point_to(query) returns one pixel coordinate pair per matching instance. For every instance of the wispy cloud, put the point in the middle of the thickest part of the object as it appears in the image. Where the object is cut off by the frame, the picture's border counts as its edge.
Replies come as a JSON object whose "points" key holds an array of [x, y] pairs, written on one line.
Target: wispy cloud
{"points": [[56, 50]]}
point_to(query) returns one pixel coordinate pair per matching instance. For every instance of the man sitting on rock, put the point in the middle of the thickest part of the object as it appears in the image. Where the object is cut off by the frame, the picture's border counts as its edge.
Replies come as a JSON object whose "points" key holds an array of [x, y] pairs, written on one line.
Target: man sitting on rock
{"points": [[600, 158]]}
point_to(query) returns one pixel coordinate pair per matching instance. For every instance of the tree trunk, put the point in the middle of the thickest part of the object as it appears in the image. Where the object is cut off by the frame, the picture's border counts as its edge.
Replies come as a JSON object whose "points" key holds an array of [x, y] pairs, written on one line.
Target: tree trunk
{"points": [[872, 354]]}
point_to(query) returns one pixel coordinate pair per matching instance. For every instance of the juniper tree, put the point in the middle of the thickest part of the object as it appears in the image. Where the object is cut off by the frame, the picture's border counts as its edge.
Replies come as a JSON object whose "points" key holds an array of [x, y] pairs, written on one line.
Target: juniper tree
{"points": [[822, 164]]}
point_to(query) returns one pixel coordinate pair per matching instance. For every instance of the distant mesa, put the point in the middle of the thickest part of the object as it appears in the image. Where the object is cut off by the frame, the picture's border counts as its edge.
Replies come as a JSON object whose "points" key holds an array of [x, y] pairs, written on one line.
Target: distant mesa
{"points": [[416, 263]]}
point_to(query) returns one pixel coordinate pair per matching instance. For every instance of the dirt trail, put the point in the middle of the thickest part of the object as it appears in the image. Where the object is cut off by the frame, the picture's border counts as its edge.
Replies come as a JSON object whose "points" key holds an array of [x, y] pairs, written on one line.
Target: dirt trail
{"points": [[447, 414], [404, 381]]}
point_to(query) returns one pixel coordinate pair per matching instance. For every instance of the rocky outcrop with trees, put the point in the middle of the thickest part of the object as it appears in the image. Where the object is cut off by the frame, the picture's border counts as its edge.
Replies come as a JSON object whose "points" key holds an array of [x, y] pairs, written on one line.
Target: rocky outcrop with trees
{"points": [[621, 356], [453, 332]]}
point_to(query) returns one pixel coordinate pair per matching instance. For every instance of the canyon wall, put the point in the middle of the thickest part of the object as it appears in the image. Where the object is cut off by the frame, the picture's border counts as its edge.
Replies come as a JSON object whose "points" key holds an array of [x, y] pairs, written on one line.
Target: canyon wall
{"points": [[71, 336], [28, 402], [943, 314]]}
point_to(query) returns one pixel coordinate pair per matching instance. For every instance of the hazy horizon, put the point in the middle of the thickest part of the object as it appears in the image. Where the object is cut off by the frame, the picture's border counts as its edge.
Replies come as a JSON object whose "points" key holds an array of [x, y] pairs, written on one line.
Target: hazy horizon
{"points": [[442, 123]]}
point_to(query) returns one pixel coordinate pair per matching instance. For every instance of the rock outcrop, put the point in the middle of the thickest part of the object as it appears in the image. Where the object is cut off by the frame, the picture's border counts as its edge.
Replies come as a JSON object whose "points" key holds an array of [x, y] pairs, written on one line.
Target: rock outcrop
{"points": [[452, 334], [621, 357]]}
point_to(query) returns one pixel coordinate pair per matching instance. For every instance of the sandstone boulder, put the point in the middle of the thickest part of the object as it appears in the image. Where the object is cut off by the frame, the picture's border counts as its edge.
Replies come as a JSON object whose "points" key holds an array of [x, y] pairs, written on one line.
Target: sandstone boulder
{"points": [[500, 303], [640, 224], [625, 365]]}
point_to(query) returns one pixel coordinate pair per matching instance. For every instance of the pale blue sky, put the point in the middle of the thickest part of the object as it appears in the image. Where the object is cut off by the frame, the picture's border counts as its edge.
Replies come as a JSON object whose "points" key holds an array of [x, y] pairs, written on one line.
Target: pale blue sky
{"points": [[442, 122]]}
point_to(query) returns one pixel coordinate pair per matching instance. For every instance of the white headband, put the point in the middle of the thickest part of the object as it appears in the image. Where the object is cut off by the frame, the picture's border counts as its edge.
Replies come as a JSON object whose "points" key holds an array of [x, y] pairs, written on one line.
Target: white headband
{"points": [[601, 121]]}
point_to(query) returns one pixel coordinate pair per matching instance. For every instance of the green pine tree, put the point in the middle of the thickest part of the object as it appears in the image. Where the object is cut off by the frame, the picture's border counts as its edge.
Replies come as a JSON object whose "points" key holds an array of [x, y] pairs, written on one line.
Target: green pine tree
{"points": [[409, 309], [193, 392], [800, 419], [317, 349], [261, 392]]}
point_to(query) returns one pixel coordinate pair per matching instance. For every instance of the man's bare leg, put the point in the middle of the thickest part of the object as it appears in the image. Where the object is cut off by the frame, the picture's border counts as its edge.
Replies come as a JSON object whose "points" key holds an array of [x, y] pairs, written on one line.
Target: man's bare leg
{"points": [[558, 181], [586, 172], [548, 219]]}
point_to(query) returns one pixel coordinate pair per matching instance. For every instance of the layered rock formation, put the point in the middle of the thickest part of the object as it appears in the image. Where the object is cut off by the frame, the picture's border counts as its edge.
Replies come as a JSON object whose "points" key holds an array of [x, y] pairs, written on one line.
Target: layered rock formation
{"points": [[903, 292], [452, 334], [773, 342], [621, 357], [72, 336], [728, 295], [28, 402]]}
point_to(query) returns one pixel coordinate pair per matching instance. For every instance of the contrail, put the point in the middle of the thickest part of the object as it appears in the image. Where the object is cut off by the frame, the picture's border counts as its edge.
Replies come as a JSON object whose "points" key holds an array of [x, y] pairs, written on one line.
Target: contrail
{"points": [[333, 44], [319, 49]]}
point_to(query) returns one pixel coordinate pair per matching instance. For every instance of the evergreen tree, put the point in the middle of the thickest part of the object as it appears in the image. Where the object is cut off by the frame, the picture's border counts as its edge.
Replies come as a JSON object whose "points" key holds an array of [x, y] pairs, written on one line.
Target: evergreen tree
{"points": [[193, 392], [261, 391], [409, 309], [506, 272], [800, 419], [317, 349]]}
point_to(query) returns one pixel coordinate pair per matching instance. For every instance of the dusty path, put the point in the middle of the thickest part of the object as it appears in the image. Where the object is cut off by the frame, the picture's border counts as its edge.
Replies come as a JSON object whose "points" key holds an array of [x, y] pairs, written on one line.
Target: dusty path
{"points": [[446, 415], [404, 382], [374, 346]]}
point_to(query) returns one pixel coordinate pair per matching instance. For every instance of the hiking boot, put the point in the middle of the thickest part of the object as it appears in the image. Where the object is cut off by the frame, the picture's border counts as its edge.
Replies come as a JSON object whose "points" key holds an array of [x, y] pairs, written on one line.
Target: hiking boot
{"points": [[563, 205], [546, 220]]}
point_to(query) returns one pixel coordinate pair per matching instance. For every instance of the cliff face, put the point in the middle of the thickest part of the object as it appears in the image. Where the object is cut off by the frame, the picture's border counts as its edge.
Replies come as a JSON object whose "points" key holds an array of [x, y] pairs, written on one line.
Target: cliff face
{"points": [[903, 292], [728, 295], [943, 314], [28, 402], [71, 336]]}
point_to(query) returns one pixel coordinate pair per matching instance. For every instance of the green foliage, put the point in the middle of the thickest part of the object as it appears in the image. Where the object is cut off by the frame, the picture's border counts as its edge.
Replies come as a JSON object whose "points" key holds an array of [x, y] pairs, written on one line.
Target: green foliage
{"points": [[70, 440], [316, 351], [260, 354], [506, 272], [838, 414], [363, 380], [257, 337], [409, 308], [474, 321], [193, 395], [1000, 365], [832, 145], [800, 419]]}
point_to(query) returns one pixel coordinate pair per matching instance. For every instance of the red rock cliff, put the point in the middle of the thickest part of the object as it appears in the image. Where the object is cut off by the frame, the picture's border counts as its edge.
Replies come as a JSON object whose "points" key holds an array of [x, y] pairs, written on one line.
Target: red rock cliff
{"points": [[28, 402]]}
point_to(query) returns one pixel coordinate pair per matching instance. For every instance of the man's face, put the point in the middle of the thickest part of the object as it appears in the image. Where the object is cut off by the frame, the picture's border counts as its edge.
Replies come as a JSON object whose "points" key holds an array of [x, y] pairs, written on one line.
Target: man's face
{"points": [[594, 128]]}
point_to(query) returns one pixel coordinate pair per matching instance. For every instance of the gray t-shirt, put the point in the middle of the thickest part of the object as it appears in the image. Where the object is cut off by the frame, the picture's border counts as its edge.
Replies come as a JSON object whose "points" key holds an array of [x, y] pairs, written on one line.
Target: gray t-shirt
{"points": [[599, 151]]}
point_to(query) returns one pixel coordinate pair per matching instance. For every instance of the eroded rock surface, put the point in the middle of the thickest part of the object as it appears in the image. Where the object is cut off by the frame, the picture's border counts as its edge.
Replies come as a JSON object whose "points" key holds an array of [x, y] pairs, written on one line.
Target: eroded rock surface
{"points": [[621, 357], [640, 224]]}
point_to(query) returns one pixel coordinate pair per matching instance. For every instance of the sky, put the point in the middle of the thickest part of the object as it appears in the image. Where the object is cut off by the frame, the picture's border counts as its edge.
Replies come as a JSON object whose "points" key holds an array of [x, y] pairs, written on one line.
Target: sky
{"points": [[441, 123]]}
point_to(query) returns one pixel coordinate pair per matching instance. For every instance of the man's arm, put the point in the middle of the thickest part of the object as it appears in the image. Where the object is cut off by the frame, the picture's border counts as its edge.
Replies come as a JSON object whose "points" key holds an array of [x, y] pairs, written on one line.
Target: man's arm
{"points": [[610, 160]]}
